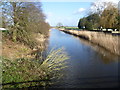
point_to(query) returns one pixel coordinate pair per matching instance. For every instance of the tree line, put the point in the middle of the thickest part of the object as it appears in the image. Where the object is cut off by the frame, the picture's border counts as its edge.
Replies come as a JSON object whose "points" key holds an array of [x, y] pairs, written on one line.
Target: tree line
{"points": [[105, 15], [23, 20]]}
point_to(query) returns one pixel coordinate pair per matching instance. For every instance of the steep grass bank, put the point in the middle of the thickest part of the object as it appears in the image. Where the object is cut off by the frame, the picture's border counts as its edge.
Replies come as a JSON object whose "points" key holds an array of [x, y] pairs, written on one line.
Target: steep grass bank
{"points": [[107, 41], [14, 50]]}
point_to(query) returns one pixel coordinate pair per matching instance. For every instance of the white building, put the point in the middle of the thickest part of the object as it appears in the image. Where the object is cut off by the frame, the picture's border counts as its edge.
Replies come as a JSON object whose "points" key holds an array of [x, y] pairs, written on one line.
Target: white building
{"points": [[2, 29]]}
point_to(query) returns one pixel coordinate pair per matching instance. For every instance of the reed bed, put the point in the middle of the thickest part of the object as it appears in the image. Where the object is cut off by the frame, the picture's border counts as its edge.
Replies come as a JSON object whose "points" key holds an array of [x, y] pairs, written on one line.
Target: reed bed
{"points": [[108, 41]]}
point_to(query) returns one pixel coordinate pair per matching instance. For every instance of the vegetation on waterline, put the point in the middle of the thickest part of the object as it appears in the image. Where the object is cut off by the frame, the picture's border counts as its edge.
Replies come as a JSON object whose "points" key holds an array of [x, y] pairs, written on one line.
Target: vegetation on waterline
{"points": [[71, 28], [24, 72]]}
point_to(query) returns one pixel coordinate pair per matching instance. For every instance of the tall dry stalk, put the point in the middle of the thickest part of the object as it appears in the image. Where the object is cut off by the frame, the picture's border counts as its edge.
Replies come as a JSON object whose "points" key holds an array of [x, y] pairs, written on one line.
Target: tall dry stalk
{"points": [[55, 63]]}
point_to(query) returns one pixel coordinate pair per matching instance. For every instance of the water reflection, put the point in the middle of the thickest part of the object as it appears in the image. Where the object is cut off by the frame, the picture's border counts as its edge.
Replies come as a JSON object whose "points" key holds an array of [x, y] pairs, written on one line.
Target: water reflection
{"points": [[89, 65], [106, 56], [40, 53]]}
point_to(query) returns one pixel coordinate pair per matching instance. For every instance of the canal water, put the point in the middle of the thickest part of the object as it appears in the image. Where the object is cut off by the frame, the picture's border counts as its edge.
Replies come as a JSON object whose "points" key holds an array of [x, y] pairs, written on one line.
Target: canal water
{"points": [[89, 65]]}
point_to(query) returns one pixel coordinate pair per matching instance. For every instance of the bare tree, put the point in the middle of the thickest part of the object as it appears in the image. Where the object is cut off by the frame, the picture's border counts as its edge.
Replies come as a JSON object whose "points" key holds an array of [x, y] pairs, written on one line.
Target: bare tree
{"points": [[109, 16], [98, 7], [24, 20]]}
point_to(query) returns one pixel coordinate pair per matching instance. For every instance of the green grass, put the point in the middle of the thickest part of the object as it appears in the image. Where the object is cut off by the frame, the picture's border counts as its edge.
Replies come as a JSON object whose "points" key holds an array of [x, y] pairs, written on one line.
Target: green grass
{"points": [[72, 28], [26, 72], [19, 71]]}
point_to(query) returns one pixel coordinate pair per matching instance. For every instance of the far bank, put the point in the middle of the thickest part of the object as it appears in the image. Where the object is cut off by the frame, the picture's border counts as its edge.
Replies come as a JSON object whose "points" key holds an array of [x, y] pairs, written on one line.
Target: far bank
{"points": [[108, 41]]}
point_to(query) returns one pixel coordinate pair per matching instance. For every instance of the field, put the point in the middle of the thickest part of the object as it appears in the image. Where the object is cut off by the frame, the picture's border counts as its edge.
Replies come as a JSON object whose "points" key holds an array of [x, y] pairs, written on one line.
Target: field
{"points": [[71, 28]]}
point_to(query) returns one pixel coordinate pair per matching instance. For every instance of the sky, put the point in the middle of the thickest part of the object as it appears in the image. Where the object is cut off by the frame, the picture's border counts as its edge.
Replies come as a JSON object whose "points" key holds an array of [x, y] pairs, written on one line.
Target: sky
{"points": [[68, 13]]}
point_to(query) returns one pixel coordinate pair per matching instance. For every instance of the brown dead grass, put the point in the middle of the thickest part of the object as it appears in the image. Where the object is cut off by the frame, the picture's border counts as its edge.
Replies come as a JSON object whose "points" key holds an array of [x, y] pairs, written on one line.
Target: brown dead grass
{"points": [[13, 50], [106, 41]]}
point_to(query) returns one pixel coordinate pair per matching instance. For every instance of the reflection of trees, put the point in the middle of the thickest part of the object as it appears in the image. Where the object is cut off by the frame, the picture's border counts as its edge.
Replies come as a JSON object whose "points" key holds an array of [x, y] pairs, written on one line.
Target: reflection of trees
{"points": [[41, 52], [106, 56]]}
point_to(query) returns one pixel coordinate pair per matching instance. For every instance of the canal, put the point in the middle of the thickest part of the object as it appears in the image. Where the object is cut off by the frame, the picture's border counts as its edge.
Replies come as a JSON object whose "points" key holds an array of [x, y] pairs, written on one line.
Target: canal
{"points": [[89, 66]]}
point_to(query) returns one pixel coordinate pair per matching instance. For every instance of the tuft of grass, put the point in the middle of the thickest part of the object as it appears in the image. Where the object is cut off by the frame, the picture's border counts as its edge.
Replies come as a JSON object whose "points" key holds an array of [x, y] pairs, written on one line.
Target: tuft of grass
{"points": [[55, 63], [29, 71]]}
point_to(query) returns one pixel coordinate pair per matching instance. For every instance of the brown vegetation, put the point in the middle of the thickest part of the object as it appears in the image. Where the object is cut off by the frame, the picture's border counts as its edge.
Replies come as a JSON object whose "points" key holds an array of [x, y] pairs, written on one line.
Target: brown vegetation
{"points": [[107, 41], [104, 16], [24, 21]]}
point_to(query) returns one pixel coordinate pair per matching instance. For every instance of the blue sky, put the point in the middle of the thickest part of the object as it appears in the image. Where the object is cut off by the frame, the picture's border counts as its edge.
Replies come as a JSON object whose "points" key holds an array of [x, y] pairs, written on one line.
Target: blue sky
{"points": [[68, 13]]}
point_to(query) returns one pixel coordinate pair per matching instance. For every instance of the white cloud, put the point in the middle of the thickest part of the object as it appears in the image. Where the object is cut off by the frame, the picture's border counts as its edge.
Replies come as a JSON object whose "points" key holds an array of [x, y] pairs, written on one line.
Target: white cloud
{"points": [[99, 3], [49, 14], [47, 21], [80, 10]]}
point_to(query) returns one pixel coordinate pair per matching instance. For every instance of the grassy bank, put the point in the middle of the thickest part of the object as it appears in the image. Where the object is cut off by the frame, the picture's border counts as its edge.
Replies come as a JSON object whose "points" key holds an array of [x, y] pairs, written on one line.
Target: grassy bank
{"points": [[68, 28], [107, 41], [23, 72], [24, 67], [23, 45], [71, 28]]}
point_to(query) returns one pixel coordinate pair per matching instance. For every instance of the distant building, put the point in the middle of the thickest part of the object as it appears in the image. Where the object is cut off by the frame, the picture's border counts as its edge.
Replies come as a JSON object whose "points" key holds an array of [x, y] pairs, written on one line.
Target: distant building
{"points": [[2, 29]]}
